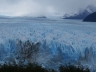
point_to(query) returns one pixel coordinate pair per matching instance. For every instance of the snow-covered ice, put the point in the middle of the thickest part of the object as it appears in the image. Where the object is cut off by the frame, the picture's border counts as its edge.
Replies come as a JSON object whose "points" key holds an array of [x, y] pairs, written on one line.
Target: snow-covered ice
{"points": [[62, 41]]}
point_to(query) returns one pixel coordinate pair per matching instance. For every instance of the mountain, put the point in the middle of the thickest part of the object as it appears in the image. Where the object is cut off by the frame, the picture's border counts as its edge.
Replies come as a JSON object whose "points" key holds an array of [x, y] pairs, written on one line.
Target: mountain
{"points": [[20, 17], [81, 14], [90, 18], [41, 17], [4, 17]]}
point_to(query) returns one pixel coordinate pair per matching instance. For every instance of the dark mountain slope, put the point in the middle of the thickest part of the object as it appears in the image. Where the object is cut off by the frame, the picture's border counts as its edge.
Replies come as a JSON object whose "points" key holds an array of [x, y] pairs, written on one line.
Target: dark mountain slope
{"points": [[81, 14], [90, 18]]}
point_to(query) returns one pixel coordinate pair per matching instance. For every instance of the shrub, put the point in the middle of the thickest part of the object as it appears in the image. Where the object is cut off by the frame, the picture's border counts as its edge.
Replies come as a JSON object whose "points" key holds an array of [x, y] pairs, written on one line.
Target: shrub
{"points": [[34, 67], [71, 68], [25, 50], [24, 68]]}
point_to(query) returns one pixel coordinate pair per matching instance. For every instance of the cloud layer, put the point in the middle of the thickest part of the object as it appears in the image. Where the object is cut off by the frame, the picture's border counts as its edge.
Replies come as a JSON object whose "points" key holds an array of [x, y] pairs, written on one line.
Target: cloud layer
{"points": [[41, 7]]}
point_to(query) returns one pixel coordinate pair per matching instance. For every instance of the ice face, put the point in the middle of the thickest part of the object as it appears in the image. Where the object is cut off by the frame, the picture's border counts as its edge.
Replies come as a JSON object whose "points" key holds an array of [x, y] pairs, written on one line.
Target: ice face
{"points": [[62, 41]]}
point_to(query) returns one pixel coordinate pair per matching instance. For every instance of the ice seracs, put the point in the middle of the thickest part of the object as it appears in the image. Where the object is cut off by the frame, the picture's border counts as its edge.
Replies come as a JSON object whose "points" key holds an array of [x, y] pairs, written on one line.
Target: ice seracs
{"points": [[61, 41]]}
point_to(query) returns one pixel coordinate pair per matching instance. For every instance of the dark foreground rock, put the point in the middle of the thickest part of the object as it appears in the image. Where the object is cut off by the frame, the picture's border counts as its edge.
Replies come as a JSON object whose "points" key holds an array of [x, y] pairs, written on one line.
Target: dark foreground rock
{"points": [[90, 18]]}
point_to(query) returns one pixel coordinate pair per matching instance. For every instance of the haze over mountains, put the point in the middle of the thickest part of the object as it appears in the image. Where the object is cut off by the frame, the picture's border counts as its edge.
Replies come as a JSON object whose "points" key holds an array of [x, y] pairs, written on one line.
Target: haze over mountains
{"points": [[42, 7], [82, 13]]}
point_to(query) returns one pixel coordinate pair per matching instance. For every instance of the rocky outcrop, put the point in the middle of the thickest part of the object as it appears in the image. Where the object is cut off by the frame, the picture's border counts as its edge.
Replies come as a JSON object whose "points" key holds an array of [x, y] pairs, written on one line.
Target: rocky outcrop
{"points": [[90, 18]]}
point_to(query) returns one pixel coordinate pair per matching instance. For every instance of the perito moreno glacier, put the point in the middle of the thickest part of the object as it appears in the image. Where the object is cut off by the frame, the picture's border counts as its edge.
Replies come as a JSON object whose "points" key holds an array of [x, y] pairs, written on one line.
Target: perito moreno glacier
{"points": [[61, 41]]}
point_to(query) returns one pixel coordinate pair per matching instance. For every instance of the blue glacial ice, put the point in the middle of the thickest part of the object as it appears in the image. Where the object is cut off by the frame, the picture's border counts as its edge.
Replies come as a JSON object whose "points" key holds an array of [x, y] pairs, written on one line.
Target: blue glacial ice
{"points": [[62, 41]]}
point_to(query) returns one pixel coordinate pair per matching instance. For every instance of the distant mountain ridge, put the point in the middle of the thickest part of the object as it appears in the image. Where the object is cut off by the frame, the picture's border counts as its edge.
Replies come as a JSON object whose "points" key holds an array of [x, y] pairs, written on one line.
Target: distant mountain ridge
{"points": [[4, 17], [81, 14], [20, 17], [90, 18]]}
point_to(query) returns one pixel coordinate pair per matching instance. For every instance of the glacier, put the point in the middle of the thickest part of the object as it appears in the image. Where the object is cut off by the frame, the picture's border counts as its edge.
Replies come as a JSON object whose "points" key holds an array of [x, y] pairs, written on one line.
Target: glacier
{"points": [[62, 41]]}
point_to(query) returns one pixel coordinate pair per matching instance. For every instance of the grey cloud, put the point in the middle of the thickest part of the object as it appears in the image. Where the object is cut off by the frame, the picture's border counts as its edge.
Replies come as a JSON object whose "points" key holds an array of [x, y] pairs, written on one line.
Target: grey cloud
{"points": [[42, 7]]}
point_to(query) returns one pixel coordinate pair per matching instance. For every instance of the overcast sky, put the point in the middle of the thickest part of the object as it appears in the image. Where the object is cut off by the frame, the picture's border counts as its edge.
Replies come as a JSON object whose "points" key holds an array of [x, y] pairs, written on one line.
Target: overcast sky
{"points": [[42, 7]]}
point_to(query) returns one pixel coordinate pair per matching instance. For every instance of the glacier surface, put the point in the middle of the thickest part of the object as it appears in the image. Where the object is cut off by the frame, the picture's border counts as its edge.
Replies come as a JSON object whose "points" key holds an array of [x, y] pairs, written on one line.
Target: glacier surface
{"points": [[62, 41]]}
